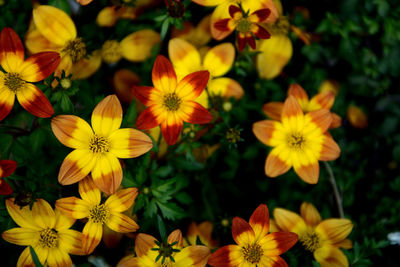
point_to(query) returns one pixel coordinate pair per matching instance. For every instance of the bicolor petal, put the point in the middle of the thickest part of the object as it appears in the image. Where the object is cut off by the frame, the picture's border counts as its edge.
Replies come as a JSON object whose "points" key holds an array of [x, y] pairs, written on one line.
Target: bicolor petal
{"points": [[175, 236], [268, 132], [91, 236], [278, 243], [195, 113], [7, 167], [39, 66], [107, 116], [225, 87], [76, 166], [192, 85], [242, 232], [73, 207], [226, 256], [334, 230], [137, 46], [72, 131], [184, 56], [292, 115], [273, 110], [143, 244], [121, 200], [194, 256], [221, 12], [171, 128], [21, 236], [259, 221], [289, 221], [89, 191], [322, 100], [274, 165], [300, 94], [308, 173], [151, 117], [260, 31], [25, 259], [320, 118], [107, 173], [330, 149], [121, 223], [7, 99], [163, 75], [331, 256], [259, 15], [129, 143], [71, 242], [58, 257], [11, 50], [34, 101], [219, 59]]}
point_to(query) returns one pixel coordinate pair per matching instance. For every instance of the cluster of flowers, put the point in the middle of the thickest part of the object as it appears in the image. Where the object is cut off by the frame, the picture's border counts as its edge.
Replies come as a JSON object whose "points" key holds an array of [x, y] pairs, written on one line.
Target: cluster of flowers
{"points": [[298, 133]]}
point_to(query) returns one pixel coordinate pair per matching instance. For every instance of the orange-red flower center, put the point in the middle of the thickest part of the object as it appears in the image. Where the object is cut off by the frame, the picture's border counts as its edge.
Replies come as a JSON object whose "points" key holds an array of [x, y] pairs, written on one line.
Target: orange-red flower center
{"points": [[296, 141], [252, 253], [99, 214], [99, 144], [310, 241], [76, 49], [48, 238], [13, 81], [172, 102]]}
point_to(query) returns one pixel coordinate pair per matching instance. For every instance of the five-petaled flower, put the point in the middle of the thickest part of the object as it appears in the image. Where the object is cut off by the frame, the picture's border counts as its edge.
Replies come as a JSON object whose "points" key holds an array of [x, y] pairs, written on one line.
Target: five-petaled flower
{"points": [[151, 253], [170, 102], [109, 213], [7, 167], [247, 26], [321, 237], [97, 150], [255, 246], [20, 74], [46, 231], [298, 140]]}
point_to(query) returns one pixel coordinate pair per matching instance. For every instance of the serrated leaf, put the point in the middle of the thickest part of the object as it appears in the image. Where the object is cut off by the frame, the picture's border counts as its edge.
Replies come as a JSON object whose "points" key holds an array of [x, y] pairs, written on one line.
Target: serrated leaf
{"points": [[151, 209], [161, 228], [171, 210]]}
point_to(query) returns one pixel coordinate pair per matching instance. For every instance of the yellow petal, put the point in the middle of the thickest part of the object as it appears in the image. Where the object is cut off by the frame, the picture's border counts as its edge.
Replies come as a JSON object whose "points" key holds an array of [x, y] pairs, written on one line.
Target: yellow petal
{"points": [[121, 223], [72, 131], [35, 42], [73, 207], [209, 2], [310, 214], [25, 259], [86, 67], [71, 242], [54, 24], [138, 45], [91, 236], [107, 173], [129, 143], [89, 191], [108, 16], [289, 221], [225, 87], [329, 256], [21, 215], [43, 214], [334, 230], [184, 57], [107, 116], [63, 222], [219, 59], [58, 257], [194, 256], [21, 236], [76, 166], [121, 200]]}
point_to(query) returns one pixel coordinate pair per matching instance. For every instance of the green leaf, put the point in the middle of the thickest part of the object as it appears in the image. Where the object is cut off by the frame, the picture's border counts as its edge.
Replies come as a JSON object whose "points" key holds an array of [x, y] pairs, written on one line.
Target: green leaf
{"points": [[35, 257], [130, 115], [164, 28], [66, 104], [171, 210], [61, 4], [161, 228]]}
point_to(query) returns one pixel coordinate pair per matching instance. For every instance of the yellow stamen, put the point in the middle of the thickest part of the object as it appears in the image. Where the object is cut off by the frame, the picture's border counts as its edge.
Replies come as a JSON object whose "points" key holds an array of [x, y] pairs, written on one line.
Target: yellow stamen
{"points": [[48, 238], [76, 49], [111, 51], [311, 241], [99, 214], [296, 141], [172, 102], [252, 253], [13, 81], [99, 144]]}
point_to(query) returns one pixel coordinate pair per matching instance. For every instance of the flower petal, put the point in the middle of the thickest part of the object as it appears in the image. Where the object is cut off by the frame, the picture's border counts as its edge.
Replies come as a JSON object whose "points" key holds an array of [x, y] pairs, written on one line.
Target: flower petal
{"points": [[184, 57], [76, 166], [86, 66], [259, 15], [171, 128], [137, 46], [129, 143], [227, 256], [39, 66], [143, 244], [195, 113], [330, 149], [5, 188], [308, 173], [268, 132], [107, 116], [192, 85], [43, 214], [289, 221], [273, 110], [58, 257], [320, 118], [121, 223], [163, 75], [21, 236], [71, 242], [151, 117], [292, 115], [195, 256], [123, 81], [146, 94], [322, 100], [260, 31], [89, 191], [7, 98], [277, 243], [209, 2], [34, 101], [121, 200], [175, 236], [63, 222], [259, 221], [35, 42], [273, 261], [41, 252], [73, 207], [107, 173], [11, 50], [219, 59], [7, 167], [334, 230], [54, 24], [91, 236], [21, 215], [242, 232], [310, 214], [299, 93], [225, 87], [221, 12], [274, 165], [331, 256], [336, 121], [25, 259], [72, 131]]}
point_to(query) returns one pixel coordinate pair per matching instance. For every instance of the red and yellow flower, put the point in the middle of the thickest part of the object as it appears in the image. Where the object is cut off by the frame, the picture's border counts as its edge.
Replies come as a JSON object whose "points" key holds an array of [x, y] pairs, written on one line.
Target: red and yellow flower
{"points": [[99, 215], [323, 238], [46, 231], [255, 246], [203, 232], [247, 26], [170, 102], [7, 167], [218, 61], [147, 251], [19, 75], [97, 148], [299, 141], [323, 100]]}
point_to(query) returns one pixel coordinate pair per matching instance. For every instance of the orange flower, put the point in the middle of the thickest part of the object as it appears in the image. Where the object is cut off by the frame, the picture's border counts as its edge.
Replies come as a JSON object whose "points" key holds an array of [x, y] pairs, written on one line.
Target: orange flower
{"points": [[246, 26], [255, 246], [97, 150], [20, 74], [170, 102], [7, 167], [203, 232], [148, 249], [357, 117], [107, 214], [323, 100], [299, 141], [321, 237]]}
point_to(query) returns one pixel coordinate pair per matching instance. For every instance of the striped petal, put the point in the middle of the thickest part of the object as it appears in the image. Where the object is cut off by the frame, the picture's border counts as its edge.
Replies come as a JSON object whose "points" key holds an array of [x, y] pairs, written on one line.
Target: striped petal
{"points": [[89, 191], [289, 221], [76, 166], [310, 214], [330, 149], [334, 230], [331, 256], [171, 128], [151, 117], [274, 165], [107, 116], [260, 31], [121, 200], [320, 118], [21, 236], [91, 236], [39, 66], [11, 50], [194, 256], [107, 173], [163, 75], [273, 110], [219, 59], [266, 131], [278, 243], [272, 261], [137, 46], [7, 167], [7, 98], [129, 143], [147, 95], [63, 222], [227, 256], [308, 173], [71, 242], [143, 244], [21, 215], [259, 15], [54, 24], [259, 221], [242, 232], [43, 214], [195, 113], [25, 259], [58, 257], [72, 131], [175, 236], [123, 81], [322, 100], [192, 85], [73, 207], [121, 223], [292, 115], [34, 101], [184, 56], [336, 121]]}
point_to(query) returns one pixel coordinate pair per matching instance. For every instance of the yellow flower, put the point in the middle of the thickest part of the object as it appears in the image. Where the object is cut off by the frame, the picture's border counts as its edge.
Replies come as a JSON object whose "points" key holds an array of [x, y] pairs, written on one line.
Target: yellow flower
{"points": [[147, 252], [321, 237], [218, 61], [97, 150], [299, 141], [109, 213], [46, 231], [198, 36]]}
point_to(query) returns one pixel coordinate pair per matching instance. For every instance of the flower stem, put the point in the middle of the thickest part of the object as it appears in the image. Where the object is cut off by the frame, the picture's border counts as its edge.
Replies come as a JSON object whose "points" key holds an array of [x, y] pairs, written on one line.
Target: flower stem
{"points": [[332, 180]]}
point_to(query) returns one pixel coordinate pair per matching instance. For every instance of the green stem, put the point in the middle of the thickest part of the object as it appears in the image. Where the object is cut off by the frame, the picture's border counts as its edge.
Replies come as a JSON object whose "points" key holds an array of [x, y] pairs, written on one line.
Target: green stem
{"points": [[338, 197]]}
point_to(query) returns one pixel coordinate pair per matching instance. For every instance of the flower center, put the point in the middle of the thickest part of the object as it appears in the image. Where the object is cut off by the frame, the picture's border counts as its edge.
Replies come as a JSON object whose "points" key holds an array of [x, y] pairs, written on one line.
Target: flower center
{"points": [[13, 81], [76, 49], [99, 214], [172, 102], [243, 25], [111, 51], [310, 241], [252, 253], [99, 144], [296, 141], [48, 238]]}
